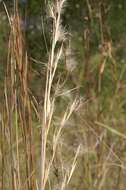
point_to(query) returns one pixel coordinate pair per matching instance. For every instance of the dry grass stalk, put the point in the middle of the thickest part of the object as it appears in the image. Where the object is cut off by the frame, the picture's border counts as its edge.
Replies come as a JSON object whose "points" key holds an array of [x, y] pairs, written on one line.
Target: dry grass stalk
{"points": [[55, 11], [17, 113]]}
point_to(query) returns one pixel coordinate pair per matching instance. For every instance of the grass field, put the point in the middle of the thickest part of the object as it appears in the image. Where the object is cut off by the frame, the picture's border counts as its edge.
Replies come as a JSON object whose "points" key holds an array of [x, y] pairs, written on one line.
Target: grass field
{"points": [[62, 126]]}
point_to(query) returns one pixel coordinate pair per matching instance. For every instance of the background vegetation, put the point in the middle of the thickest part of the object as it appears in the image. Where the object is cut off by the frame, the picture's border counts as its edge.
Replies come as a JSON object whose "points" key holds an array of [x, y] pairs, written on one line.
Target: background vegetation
{"points": [[68, 132]]}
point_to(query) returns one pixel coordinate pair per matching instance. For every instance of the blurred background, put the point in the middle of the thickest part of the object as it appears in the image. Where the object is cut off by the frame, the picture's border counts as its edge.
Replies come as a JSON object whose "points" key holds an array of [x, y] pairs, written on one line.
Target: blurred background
{"points": [[96, 41]]}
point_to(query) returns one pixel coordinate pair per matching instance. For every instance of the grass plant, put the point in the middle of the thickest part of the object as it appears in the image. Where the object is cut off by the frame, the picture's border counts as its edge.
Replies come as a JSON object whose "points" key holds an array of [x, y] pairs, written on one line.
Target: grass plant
{"points": [[64, 140]]}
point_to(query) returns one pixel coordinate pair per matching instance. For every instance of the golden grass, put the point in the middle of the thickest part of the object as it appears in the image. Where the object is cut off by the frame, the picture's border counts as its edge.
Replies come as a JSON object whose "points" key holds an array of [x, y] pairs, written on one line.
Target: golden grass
{"points": [[61, 143]]}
